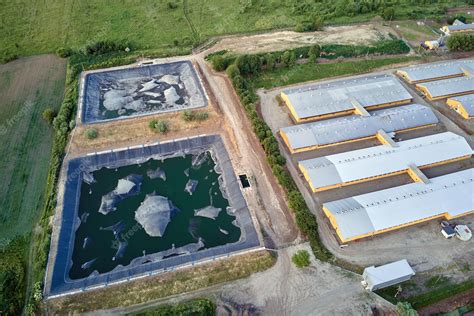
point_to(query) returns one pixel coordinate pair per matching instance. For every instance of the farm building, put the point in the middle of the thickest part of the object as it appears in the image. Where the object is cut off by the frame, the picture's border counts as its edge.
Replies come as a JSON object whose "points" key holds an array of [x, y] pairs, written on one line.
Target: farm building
{"points": [[442, 89], [386, 210], [387, 275], [366, 164], [436, 71], [458, 27], [344, 97], [351, 128], [464, 105]]}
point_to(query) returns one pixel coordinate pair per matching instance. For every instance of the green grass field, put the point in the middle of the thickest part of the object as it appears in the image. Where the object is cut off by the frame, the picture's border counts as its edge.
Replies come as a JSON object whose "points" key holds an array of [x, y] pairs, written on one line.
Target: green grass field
{"points": [[307, 72], [27, 87], [34, 27]]}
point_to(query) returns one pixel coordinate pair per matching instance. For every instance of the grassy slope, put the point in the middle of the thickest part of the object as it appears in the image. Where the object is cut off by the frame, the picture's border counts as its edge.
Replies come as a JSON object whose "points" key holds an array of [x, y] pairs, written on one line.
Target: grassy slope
{"points": [[27, 87], [30, 27]]}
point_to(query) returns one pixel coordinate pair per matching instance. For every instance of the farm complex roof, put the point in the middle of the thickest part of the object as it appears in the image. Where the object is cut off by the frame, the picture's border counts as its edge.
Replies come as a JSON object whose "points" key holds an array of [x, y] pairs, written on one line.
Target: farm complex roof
{"points": [[467, 102], [445, 88], [344, 95], [341, 129], [373, 162], [434, 71], [380, 211]]}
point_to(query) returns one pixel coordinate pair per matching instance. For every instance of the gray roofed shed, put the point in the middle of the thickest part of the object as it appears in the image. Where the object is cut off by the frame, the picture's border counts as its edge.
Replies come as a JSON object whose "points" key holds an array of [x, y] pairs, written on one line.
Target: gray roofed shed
{"points": [[433, 71], [445, 88], [338, 96], [387, 275], [341, 129]]}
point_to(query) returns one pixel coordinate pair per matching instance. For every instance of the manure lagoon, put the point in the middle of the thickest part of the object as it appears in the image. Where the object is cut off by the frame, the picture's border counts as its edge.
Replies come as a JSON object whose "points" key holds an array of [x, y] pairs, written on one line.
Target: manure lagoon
{"points": [[177, 199]]}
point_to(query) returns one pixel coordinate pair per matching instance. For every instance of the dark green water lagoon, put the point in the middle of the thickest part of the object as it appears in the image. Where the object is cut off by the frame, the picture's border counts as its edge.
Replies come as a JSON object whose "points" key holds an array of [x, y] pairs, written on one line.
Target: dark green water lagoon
{"points": [[111, 236]]}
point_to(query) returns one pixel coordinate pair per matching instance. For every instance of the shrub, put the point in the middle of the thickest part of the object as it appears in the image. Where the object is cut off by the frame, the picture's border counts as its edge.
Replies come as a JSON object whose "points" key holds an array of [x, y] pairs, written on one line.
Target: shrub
{"points": [[64, 52], [301, 259], [160, 126], [451, 19], [103, 47], [201, 116], [172, 5], [48, 115], [388, 14], [91, 133], [460, 42], [187, 115], [405, 309]]}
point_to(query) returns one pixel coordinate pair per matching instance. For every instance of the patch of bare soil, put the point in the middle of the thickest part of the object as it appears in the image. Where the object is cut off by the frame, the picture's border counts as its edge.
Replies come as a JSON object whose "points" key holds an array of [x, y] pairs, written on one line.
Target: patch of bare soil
{"points": [[117, 134], [280, 40]]}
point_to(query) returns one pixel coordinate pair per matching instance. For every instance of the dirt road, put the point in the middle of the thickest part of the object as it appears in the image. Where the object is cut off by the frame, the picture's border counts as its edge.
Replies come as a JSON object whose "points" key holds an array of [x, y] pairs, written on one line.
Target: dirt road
{"points": [[277, 221], [320, 289]]}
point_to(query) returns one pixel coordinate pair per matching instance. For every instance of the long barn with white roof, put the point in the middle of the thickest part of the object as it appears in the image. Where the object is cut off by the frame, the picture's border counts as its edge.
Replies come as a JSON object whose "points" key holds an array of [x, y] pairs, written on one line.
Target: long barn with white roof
{"points": [[436, 71], [365, 215], [345, 129], [366, 164], [344, 97]]}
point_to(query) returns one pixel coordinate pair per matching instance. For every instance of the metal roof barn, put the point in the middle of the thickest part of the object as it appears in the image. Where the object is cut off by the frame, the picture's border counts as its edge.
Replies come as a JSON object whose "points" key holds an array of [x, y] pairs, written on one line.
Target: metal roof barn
{"points": [[464, 105], [435, 71], [344, 97], [440, 89], [366, 164], [381, 211], [387, 275], [355, 127]]}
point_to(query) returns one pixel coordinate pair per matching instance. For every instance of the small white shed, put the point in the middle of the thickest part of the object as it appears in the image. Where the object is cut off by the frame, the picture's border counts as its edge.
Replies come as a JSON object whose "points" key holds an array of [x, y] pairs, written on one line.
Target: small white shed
{"points": [[389, 274]]}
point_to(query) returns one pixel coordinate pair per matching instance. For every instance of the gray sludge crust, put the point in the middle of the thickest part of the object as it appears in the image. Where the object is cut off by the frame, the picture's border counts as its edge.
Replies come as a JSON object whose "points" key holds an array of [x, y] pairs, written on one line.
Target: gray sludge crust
{"points": [[155, 213], [126, 187], [208, 211]]}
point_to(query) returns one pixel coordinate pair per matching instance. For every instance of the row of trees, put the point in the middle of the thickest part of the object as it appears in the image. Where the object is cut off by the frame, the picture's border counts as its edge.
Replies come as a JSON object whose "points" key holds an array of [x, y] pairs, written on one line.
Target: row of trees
{"points": [[305, 220], [252, 64]]}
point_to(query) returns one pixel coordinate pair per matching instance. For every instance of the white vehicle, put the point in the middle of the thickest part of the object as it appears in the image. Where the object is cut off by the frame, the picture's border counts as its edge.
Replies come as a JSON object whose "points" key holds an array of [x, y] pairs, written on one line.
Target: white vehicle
{"points": [[463, 232]]}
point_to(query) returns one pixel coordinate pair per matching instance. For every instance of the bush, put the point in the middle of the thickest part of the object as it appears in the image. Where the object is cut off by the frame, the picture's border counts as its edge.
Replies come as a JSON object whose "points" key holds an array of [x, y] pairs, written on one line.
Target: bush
{"points": [[91, 133], [460, 42], [103, 47], [201, 116], [301, 259], [160, 126], [405, 309], [189, 116], [388, 14], [48, 115], [172, 5], [64, 52], [451, 19]]}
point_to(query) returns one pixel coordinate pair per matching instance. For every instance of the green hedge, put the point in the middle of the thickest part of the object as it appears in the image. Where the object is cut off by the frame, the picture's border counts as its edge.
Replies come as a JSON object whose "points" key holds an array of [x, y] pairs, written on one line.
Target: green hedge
{"points": [[253, 64]]}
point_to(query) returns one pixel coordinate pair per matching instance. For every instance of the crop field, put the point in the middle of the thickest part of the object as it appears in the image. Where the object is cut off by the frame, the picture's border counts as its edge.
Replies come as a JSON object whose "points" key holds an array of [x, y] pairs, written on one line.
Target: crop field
{"points": [[34, 27], [27, 87]]}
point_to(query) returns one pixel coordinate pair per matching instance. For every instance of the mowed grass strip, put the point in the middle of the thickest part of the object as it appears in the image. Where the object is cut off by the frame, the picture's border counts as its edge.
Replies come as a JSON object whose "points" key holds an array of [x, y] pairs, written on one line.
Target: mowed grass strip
{"points": [[163, 285], [307, 72], [27, 87]]}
